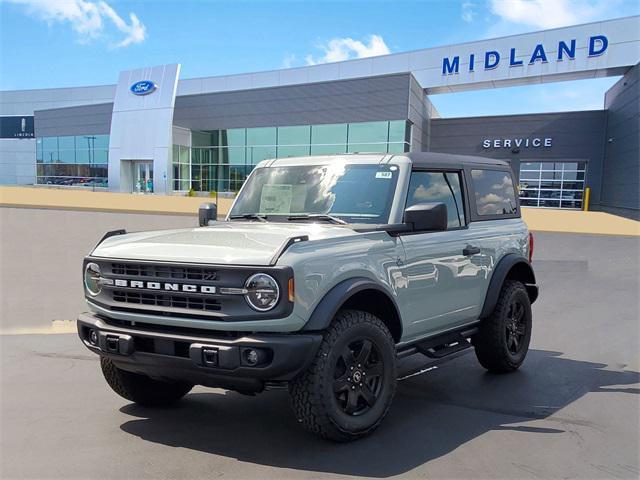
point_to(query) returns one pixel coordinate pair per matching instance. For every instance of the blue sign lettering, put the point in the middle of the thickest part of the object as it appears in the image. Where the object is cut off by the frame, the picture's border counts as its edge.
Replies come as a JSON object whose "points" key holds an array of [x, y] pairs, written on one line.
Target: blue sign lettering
{"points": [[491, 60], [512, 59], [538, 54], [450, 67], [570, 51], [598, 45]]}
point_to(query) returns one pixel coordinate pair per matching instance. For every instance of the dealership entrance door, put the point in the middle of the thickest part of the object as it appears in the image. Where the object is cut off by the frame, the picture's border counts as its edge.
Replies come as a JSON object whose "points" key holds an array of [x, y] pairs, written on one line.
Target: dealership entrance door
{"points": [[142, 176]]}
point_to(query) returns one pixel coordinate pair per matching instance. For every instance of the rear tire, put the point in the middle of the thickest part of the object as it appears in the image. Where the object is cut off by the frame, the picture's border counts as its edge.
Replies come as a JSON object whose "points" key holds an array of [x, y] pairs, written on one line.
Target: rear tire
{"points": [[347, 390], [142, 389], [503, 340]]}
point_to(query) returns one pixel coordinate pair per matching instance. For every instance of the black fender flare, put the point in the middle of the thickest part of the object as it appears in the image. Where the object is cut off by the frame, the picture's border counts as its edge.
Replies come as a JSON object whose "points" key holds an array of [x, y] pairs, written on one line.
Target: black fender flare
{"points": [[336, 297], [500, 272]]}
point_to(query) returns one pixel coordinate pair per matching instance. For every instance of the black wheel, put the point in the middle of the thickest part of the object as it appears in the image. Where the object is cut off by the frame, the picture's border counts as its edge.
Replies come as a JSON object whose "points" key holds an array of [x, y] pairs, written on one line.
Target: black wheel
{"points": [[142, 389], [347, 390], [503, 341]]}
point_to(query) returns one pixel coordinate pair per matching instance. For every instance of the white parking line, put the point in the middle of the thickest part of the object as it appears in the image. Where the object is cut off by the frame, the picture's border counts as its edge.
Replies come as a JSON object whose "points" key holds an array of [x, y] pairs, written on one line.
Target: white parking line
{"points": [[56, 327]]}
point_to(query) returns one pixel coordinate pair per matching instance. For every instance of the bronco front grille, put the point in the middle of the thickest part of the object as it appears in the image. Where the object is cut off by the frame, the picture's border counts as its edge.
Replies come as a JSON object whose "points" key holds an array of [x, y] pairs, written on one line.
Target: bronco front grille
{"points": [[167, 300], [164, 271], [181, 290]]}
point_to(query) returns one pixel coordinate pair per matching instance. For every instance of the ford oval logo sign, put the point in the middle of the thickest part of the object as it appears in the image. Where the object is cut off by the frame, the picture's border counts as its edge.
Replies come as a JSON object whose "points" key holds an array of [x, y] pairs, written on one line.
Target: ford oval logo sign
{"points": [[143, 87]]}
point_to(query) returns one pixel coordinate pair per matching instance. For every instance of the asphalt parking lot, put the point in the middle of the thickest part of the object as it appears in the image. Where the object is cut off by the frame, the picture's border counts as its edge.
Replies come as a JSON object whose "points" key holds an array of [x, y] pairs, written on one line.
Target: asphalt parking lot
{"points": [[572, 411]]}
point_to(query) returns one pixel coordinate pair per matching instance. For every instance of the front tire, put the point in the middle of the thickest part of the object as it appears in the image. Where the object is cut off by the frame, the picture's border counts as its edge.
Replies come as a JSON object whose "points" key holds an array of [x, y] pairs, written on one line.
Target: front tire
{"points": [[142, 389], [347, 390], [503, 340]]}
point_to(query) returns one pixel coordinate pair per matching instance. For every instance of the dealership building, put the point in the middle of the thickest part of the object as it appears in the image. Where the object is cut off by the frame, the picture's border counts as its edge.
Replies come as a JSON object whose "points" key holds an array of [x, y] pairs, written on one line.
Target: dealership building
{"points": [[154, 132]]}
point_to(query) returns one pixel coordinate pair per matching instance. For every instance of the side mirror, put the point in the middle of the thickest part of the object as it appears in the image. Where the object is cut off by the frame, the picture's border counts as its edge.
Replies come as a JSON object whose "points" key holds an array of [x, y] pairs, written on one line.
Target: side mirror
{"points": [[427, 217], [208, 212]]}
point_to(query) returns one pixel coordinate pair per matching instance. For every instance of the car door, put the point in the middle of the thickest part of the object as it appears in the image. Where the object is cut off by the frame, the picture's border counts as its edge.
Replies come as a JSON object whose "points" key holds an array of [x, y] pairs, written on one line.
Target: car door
{"points": [[442, 284]]}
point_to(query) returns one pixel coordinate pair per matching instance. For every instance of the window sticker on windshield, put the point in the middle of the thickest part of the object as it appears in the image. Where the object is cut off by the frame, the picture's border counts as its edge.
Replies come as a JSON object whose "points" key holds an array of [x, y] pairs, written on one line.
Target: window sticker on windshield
{"points": [[276, 199], [383, 175]]}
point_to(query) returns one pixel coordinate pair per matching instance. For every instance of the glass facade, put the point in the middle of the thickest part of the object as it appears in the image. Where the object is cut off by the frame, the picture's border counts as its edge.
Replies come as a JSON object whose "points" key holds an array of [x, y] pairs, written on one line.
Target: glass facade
{"points": [[220, 160], [72, 160], [552, 184]]}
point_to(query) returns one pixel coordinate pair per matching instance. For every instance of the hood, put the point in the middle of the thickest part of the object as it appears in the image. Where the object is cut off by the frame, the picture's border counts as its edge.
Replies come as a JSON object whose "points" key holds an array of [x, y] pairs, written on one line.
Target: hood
{"points": [[233, 243]]}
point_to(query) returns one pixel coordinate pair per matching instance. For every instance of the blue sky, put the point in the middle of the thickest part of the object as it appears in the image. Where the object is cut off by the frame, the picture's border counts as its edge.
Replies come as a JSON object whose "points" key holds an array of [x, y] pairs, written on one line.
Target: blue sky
{"points": [[60, 43]]}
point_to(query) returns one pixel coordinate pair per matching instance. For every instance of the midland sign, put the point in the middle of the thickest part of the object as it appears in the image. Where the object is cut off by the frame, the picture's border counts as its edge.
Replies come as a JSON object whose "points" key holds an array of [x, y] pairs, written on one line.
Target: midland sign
{"points": [[592, 50], [564, 50]]}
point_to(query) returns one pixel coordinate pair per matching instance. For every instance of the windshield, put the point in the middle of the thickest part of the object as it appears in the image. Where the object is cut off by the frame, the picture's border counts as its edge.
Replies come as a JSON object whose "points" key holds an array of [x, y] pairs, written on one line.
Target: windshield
{"points": [[353, 193]]}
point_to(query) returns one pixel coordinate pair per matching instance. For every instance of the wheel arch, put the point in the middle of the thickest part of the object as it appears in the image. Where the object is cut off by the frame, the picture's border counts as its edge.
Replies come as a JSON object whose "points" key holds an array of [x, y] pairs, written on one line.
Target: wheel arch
{"points": [[357, 293], [510, 267]]}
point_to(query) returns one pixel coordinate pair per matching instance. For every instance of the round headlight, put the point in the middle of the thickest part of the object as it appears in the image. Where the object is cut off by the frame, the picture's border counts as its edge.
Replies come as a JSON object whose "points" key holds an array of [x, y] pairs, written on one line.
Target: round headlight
{"points": [[92, 278], [263, 292]]}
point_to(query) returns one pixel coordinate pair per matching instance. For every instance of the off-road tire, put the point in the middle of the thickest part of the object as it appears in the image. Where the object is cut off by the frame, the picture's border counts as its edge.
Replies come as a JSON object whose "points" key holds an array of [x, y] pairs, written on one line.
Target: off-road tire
{"points": [[491, 343], [141, 389], [312, 393]]}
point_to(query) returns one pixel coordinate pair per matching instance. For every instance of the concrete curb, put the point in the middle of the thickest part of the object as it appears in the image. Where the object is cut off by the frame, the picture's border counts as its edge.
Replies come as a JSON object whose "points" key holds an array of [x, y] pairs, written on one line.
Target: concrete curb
{"points": [[50, 198]]}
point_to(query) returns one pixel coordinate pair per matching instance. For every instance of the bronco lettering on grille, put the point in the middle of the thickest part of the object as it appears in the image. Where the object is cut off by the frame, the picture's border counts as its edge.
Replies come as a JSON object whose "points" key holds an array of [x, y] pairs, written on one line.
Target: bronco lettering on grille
{"points": [[169, 287]]}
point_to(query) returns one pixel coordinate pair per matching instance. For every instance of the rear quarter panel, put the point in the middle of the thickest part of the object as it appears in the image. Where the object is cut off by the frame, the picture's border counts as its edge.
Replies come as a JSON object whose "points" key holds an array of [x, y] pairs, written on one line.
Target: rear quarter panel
{"points": [[497, 238]]}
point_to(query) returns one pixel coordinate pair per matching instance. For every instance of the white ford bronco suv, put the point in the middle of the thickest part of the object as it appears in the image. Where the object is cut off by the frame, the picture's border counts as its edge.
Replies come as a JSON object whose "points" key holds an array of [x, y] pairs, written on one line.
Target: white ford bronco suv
{"points": [[326, 271]]}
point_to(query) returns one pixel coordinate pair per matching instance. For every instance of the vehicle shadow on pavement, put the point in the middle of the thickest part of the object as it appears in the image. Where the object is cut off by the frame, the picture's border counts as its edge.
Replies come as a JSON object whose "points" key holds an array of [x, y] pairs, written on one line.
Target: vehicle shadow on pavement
{"points": [[433, 414]]}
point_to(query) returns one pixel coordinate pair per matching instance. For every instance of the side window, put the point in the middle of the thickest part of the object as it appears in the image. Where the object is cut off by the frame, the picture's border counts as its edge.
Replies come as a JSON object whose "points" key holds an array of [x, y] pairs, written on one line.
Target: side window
{"points": [[429, 187], [494, 191]]}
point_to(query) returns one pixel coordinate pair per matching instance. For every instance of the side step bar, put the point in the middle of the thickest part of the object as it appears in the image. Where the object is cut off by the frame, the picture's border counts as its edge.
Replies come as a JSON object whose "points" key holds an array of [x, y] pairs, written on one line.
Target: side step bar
{"points": [[441, 345]]}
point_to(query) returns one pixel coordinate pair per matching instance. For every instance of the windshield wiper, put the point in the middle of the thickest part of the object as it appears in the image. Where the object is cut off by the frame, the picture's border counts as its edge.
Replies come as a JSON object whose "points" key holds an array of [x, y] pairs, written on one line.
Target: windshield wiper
{"points": [[249, 216], [318, 216]]}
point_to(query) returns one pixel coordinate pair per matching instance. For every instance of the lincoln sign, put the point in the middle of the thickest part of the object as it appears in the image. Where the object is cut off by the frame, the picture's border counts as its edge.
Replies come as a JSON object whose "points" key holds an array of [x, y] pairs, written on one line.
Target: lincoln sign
{"points": [[491, 59]]}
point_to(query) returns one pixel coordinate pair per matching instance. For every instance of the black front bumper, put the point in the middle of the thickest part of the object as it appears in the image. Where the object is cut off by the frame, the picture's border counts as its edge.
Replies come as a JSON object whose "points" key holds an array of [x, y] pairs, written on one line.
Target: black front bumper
{"points": [[211, 360]]}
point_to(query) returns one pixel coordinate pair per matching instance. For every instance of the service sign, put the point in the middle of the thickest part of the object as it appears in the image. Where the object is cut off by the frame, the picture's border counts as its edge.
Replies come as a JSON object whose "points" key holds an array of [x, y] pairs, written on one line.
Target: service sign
{"points": [[535, 142], [20, 126]]}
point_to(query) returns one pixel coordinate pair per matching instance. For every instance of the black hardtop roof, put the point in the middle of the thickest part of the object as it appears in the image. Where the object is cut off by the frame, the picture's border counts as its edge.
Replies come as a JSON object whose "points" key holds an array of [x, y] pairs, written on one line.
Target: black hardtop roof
{"points": [[431, 159]]}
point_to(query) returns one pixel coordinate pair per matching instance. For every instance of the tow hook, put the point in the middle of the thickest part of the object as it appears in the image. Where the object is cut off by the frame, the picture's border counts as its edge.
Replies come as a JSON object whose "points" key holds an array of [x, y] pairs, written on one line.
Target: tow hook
{"points": [[113, 343]]}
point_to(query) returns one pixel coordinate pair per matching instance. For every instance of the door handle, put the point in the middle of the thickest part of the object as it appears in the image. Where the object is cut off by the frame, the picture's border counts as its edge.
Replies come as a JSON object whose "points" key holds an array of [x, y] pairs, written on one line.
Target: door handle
{"points": [[470, 250]]}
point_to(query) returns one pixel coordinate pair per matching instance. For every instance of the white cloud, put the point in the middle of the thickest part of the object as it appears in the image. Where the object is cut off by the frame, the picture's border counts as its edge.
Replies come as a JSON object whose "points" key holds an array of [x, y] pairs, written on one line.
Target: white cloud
{"points": [[572, 96], [490, 203], [468, 11], [549, 13], [339, 49], [434, 191], [490, 198], [90, 20], [505, 183], [288, 61]]}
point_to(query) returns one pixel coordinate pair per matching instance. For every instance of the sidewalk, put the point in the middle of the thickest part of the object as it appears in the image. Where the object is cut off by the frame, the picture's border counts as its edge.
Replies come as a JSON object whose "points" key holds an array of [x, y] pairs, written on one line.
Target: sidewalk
{"points": [[57, 198], [576, 221], [538, 219]]}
